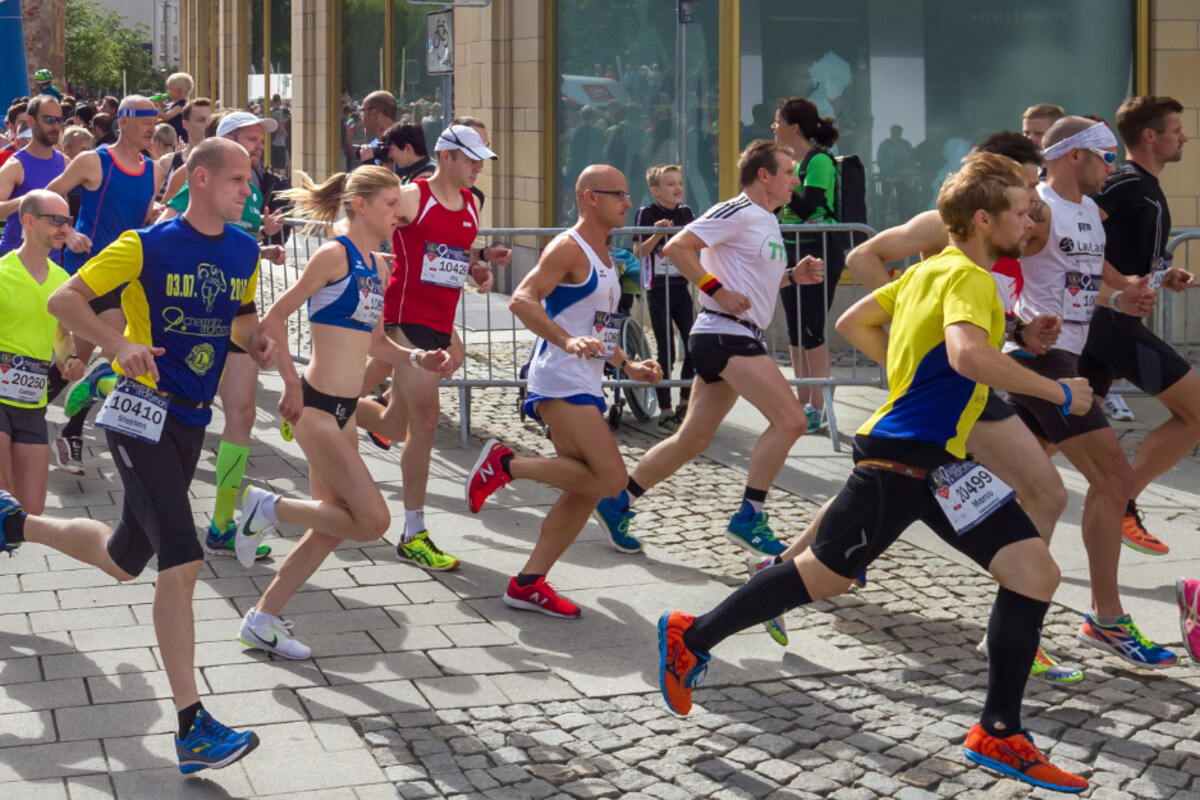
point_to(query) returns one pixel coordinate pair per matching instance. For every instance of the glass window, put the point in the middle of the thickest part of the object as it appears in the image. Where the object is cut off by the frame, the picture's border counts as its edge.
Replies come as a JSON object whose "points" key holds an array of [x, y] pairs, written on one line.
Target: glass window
{"points": [[419, 94], [914, 83], [619, 100], [254, 81], [363, 68], [281, 84]]}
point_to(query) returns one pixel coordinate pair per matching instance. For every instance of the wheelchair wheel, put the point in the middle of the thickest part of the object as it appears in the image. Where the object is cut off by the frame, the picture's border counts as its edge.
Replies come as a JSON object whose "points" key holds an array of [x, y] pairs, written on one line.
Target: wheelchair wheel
{"points": [[521, 393], [643, 401]]}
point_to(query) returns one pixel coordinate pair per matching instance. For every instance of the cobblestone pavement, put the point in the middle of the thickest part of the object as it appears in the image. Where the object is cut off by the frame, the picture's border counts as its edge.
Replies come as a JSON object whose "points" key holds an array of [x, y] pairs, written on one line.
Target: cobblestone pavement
{"points": [[427, 686]]}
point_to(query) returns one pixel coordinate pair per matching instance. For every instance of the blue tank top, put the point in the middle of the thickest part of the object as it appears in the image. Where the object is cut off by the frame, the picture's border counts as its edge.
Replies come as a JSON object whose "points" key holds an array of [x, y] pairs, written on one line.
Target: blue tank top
{"points": [[119, 205], [38, 174], [356, 301]]}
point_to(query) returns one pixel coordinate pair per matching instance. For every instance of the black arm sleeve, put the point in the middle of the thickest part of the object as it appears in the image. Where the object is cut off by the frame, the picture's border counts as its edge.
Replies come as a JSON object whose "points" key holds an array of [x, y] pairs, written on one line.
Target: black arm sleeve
{"points": [[808, 204]]}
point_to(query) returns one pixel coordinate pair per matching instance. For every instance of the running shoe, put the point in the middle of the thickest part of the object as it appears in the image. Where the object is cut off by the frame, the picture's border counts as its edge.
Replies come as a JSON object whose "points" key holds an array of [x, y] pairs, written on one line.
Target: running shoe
{"points": [[540, 596], [1187, 594], [1134, 534], [84, 392], [754, 534], [273, 635], [285, 428], [775, 626], [425, 554], [616, 523], [1116, 408], [1017, 757], [68, 452], [680, 670], [221, 544], [669, 421], [816, 418], [252, 525], [861, 581], [382, 442], [8, 507], [487, 475], [210, 745], [1045, 667], [1125, 640]]}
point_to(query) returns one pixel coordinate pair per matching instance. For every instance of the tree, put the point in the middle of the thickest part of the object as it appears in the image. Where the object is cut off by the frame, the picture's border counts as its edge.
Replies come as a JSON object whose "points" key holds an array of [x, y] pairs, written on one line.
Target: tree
{"points": [[100, 45]]}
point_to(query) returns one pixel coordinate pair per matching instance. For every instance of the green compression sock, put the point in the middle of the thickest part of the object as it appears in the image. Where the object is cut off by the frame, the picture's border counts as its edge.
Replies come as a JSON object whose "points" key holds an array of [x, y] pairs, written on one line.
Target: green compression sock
{"points": [[231, 467]]}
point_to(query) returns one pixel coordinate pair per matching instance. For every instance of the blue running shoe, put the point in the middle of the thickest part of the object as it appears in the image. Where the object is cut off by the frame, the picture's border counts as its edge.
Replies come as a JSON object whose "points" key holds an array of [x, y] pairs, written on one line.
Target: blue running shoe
{"points": [[617, 524], [8, 506], [754, 534], [1125, 640], [861, 581], [210, 745], [774, 626], [86, 391], [221, 544]]}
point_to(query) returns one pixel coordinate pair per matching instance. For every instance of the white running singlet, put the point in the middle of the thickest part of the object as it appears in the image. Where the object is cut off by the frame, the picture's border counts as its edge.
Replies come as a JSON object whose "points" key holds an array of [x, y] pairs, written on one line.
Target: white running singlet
{"points": [[745, 253], [1064, 278], [579, 308]]}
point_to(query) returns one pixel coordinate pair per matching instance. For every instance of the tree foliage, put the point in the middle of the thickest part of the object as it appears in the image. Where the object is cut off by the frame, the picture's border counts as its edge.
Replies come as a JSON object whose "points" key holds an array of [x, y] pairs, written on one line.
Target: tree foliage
{"points": [[101, 44]]}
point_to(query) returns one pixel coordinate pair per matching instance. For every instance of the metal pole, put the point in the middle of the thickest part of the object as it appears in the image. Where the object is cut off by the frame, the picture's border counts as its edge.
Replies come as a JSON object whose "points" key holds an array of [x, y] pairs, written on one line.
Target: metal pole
{"points": [[448, 100], [681, 91]]}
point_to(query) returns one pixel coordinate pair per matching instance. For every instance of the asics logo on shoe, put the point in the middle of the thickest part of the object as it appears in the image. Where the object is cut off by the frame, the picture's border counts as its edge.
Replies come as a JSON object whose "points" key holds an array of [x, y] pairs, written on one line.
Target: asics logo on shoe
{"points": [[1022, 762]]}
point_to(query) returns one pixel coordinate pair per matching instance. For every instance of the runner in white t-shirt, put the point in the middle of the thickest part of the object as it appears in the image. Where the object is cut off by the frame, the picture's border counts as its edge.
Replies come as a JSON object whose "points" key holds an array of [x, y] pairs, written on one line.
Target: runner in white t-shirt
{"points": [[740, 267]]}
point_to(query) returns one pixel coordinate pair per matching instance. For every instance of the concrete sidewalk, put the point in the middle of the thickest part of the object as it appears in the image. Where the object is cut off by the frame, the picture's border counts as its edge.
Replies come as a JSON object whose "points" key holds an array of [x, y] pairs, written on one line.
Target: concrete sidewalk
{"points": [[429, 686]]}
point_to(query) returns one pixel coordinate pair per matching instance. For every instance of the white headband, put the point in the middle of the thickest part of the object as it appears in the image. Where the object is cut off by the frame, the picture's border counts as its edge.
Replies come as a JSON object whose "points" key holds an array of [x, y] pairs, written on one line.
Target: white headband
{"points": [[1098, 136]]}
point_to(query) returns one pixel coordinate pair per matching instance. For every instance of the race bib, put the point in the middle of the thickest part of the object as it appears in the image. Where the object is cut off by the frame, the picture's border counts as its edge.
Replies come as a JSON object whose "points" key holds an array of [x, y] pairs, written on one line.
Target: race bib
{"points": [[135, 410], [1159, 271], [370, 301], [445, 265], [608, 331], [1079, 297], [663, 266], [22, 378], [968, 493]]}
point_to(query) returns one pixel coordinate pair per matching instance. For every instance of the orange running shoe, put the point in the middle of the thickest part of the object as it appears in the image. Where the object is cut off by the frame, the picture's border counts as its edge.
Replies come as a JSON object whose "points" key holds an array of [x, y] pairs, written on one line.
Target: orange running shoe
{"points": [[1135, 535], [1017, 757], [679, 669]]}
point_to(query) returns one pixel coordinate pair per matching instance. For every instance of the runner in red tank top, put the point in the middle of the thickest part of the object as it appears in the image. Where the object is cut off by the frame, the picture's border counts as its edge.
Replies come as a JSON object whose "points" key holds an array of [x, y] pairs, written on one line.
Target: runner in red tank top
{"points": [[435, 254]]}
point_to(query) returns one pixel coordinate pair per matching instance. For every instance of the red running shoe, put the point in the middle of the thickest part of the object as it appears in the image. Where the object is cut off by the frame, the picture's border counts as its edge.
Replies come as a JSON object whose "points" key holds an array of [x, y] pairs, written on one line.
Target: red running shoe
{"points": [[487, 475], [1018, 757], [680, 670], [540, 596]]}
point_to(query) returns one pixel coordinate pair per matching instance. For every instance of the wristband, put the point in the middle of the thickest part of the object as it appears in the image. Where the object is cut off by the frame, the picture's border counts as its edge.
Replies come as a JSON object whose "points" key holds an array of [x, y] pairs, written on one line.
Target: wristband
{"points": [[1066, 406], [1112, 300], [483, 253], [791, 273], [1018, 328], [415, 356], [710, 285], [69, 357], [623, 363]]}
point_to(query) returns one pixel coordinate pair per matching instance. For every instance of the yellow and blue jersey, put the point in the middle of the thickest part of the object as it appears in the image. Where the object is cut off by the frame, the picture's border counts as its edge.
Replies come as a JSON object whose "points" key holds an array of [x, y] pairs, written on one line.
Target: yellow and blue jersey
{"points": [[184, 289], [928, 401]]}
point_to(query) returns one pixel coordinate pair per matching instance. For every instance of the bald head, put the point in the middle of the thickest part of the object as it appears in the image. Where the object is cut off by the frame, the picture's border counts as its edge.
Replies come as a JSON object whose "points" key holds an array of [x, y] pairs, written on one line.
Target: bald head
{"points": [[1065, 128], [599, 176], [40, 201], [212, 155]]}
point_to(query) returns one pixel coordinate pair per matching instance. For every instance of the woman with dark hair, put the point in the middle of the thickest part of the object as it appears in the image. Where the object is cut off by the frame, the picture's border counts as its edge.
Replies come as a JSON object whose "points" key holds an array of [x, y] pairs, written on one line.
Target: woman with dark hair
{"points": [[800, 126]]}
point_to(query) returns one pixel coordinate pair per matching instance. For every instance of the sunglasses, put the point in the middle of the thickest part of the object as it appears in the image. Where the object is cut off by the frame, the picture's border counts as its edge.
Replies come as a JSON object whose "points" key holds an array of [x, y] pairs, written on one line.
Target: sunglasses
{"points": [[57, 220], [622, 196], [49, 120], [1108, 156]]}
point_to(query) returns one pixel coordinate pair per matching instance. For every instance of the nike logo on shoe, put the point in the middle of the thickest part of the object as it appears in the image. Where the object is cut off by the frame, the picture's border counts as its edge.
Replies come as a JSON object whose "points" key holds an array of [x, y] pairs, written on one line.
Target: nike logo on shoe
{"points": [[274, 640]]}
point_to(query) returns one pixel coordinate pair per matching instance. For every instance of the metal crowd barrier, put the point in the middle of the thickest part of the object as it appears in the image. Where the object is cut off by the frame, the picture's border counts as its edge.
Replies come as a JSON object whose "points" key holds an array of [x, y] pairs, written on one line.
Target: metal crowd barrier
{"points": [[497, 344], [1173, 317]]}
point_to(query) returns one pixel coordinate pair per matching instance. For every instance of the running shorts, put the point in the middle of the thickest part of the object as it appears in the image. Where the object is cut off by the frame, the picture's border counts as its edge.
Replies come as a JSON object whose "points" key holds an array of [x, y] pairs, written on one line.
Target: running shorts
{"points": [[995, 409], [1121, 346], [421, 336], [1047, 420], [342, 408], [711, 352], [24, 425]]}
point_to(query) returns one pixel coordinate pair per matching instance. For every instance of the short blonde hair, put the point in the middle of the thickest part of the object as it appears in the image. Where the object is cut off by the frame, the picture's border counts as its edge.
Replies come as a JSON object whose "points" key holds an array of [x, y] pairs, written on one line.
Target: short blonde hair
{"points": [[181, 79], [1044, 111], [981, 183], [74, 132], [655, 174], [165, 135]]}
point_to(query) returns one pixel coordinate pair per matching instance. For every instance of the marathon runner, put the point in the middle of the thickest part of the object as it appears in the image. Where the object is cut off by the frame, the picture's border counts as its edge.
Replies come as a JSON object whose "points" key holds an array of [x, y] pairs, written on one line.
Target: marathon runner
{"points": [[30, 340], [118, 184], [200, 272], [1137, 224], [435, 252], [946, 325], [32, 167], [345, 306], [735, 253], [569, 300]]}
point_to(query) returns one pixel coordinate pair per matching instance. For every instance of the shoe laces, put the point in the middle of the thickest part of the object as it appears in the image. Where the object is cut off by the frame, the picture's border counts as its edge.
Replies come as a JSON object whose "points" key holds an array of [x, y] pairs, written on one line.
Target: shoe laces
{"points": [[1044, 659], [75, 445], [205, 723], [1192, 615], [432, 547], [1138, 516], [761, 527], [1137, 635]]}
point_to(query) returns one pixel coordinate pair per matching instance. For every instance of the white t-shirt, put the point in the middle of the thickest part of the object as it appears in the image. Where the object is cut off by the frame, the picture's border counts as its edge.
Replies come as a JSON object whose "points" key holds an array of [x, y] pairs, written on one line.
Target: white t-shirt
{"points": [[745, 253], [1064, 278]]}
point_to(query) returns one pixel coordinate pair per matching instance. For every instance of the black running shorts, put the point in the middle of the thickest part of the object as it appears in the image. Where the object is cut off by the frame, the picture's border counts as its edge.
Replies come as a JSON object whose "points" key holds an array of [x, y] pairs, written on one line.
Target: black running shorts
{"points": [[876, 506], [156, 517], [995, 409], [1045, 419], [24, 425], [1121, 346], [710, 352], [423, 337]]}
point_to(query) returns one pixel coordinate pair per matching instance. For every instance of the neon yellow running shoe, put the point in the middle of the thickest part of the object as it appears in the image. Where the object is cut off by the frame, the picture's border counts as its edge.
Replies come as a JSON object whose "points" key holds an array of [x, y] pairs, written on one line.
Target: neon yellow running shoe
{"points": [[1046, 668], [285, 428], [425, 554]]}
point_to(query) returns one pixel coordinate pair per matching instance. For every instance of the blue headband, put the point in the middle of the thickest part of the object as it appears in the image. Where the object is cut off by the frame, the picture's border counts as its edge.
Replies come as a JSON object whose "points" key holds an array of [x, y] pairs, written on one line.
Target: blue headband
{"points": [[137, 112]]}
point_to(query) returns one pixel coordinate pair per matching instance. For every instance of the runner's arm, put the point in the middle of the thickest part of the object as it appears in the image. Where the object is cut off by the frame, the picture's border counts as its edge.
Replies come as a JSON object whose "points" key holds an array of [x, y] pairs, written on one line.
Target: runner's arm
{"points": [[1041, 215], [84, 171], [11, 175], [683, 249], [173, 186], [69, 304], [862, 326], [526, 304], [923, 234], [328, 264]]}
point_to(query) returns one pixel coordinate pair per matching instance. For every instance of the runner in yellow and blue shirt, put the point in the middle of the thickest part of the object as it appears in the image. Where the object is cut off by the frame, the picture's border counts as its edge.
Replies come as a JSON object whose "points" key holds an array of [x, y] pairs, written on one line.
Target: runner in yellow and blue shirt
{"points": [[191, 286], [946, 322]]}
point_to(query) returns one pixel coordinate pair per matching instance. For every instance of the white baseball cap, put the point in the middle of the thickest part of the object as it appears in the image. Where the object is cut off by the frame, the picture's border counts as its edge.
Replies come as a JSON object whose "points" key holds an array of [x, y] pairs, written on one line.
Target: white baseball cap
{"points": [[466, 139], [242, 119]]}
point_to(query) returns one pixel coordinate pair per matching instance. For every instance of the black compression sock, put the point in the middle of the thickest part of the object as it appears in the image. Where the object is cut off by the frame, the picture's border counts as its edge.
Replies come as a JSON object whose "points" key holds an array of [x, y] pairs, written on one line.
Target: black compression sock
{"points": [[74, 426], [14, 528], [524, 579], [1013, 634], [1130, 508], [186, 717], [505, 460], [635, 491], [55, 384], [768, 594]]}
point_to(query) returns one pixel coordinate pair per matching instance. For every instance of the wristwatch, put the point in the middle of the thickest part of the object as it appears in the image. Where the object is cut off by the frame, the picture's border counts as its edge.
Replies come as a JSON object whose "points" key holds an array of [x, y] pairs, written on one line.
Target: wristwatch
{"points": [[415, 356]]}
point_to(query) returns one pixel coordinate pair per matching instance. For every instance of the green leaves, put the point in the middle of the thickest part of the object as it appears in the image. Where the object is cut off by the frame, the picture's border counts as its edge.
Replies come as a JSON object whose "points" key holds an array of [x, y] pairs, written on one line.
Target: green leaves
{"points": [[101, 43]]}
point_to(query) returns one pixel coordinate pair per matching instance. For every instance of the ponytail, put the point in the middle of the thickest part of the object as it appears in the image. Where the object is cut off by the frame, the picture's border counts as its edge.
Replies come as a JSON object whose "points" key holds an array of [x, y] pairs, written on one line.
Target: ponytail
{"points": [[321, 204], [803, 113], [825, 134]]}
